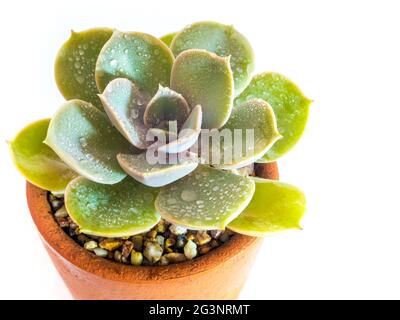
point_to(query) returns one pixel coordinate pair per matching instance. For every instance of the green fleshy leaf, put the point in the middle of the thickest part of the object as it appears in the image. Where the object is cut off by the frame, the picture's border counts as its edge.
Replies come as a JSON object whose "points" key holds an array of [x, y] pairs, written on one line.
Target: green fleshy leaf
{"points": [[36, 161], [125, 106], [167, 105], [76, 62], [167, 39], [223, 40], [289, 104], [275, 206], [204, 78], [119, 210], [255, 115], [205, 199], [83, 138], [156, 175], [139, 57], [188, 135]]}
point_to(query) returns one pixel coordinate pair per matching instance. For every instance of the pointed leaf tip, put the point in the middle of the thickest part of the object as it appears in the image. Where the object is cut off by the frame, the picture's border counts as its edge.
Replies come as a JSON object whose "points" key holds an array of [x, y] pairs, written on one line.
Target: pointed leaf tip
{"points": [[75, 64], [139, 57], [223, 40], [206, 79]]}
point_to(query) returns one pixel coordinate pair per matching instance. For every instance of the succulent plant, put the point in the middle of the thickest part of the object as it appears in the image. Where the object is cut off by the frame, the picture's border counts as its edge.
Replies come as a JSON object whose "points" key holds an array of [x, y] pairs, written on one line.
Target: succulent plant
{"points": [[130, 95]]}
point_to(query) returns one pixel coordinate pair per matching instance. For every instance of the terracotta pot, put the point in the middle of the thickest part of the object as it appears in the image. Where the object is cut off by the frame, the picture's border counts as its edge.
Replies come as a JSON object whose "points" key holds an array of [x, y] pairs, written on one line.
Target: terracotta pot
{"points": [[219, 274]]}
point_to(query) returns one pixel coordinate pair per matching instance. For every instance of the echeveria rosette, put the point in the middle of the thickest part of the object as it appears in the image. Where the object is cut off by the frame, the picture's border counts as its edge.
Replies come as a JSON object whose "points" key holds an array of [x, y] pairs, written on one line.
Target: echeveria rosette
{"points": [[127, 86]]}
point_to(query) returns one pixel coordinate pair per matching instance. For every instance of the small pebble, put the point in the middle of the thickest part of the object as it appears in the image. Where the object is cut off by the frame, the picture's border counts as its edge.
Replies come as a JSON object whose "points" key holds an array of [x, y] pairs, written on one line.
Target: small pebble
{"points": [[90, 245], [61, 213], [175, 257], [204, 249], [202, 237], [190, 250], [152, 251], [55, 202], [151, 234], [127, 247], [73, 225], [177, 230], [117, 255], [169, 243], [72, 232], [63, 222], [110, 244], [181, 241], [100, 252], [190, 235], [164, 261], [224, 237], [161, 226], [160, 240], [136, 258], [82, 238], [124, 260], [137, 242], [214, 244]]}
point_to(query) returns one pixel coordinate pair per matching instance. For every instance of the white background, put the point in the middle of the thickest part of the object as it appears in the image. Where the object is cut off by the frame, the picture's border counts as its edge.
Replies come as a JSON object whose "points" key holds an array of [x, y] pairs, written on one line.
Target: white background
{"points": [[343, 54]]}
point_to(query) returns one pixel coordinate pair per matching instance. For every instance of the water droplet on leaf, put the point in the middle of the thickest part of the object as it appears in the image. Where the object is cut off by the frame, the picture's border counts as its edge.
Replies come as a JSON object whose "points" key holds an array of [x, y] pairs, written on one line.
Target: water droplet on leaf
{"points": [[188, 195], [80, 79]]}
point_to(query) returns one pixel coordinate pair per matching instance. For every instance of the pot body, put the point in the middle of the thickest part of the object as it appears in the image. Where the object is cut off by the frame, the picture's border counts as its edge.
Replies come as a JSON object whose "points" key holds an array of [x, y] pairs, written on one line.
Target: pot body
{"points": [[220, 274]]}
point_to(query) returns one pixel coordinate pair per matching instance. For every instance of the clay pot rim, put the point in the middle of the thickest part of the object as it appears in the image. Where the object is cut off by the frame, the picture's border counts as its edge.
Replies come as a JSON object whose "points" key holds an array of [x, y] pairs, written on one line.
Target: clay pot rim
{"points": [[66, 247]]}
